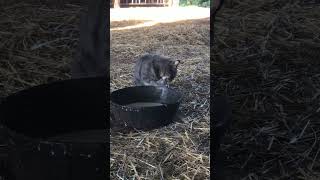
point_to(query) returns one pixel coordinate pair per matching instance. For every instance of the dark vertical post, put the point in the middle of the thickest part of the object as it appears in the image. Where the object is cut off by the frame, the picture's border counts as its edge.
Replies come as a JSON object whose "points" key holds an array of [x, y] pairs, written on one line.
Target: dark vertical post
{"points": [[215, 6], [220, 110], [220, 113]]}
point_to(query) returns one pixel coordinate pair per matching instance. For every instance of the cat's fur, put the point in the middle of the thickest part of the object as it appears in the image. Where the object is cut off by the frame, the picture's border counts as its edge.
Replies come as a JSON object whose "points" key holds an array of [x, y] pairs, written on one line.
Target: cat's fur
{"points": [[154, 70]]}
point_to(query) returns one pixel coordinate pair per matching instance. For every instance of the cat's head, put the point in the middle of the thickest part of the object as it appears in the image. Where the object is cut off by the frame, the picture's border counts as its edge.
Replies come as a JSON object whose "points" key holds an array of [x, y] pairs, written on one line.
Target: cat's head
{"points": [[169, 70]]}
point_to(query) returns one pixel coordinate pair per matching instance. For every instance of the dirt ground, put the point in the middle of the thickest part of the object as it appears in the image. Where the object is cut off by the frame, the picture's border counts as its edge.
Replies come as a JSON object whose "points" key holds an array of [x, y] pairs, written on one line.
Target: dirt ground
{"points": [[180, 150]]}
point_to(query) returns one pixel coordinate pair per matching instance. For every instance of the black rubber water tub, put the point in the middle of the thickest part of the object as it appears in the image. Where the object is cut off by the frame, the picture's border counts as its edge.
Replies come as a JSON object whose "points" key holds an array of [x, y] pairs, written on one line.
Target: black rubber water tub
{"points": [[56, 131], [164, 105]]}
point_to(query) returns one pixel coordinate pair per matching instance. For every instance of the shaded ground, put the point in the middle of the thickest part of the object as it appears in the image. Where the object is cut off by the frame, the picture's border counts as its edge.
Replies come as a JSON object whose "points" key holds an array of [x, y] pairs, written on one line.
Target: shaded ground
{"points": [[180, 150], [266, 58], [36, 44]]}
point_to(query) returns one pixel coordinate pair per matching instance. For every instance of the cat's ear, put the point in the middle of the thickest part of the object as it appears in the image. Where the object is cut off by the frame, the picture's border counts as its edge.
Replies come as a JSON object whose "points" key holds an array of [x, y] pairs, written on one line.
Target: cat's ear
{"points": [[176, 63]]}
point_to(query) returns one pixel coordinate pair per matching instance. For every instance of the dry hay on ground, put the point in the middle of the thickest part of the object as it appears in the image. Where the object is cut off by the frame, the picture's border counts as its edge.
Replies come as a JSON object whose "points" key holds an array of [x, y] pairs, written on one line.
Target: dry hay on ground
{"points": [[180, 150], [36, 44], [266, 58], [119, 24]]}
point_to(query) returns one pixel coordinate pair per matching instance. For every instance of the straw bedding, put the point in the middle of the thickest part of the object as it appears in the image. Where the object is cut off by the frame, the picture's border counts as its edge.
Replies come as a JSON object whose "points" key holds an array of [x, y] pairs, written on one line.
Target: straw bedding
{"points": [[180, 150], [266, 58], [37, 43]]}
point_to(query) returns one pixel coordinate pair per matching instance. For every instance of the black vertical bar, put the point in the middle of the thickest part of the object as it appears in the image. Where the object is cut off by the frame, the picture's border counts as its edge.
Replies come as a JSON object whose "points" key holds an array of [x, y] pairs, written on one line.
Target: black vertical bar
{"points": [[107, 18], [220, 110]]}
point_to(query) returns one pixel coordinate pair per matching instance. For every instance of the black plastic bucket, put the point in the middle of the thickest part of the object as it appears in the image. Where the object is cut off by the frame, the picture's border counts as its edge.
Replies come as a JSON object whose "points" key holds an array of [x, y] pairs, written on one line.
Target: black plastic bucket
{"points": [[144, 118], [57, 131]]}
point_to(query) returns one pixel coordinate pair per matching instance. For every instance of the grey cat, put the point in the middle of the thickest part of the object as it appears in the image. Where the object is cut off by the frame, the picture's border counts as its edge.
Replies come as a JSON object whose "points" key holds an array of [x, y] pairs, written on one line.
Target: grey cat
{"points": [[155, 70]]}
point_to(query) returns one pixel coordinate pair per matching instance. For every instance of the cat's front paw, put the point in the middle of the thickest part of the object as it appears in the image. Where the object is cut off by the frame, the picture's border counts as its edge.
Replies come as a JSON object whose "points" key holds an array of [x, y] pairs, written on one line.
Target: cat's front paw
{"points": [[161, 82]]}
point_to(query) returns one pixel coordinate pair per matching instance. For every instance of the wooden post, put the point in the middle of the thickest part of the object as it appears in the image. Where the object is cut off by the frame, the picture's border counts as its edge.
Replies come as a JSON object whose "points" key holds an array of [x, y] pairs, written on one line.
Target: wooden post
{"points": [[116, 4]]}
